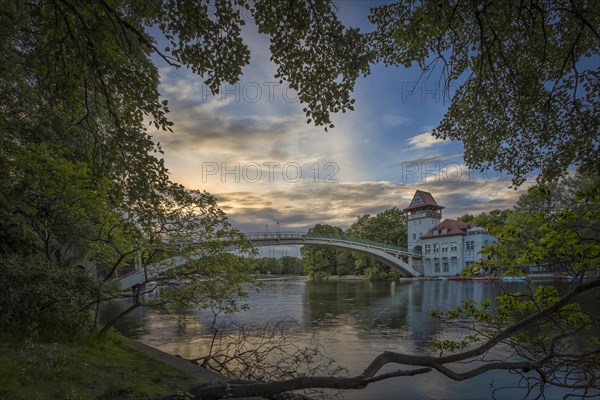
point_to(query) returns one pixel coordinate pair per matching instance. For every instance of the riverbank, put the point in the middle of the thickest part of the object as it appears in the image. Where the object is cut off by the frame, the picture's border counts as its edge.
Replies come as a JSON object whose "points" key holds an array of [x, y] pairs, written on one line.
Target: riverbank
{"points": [[111, 368]]}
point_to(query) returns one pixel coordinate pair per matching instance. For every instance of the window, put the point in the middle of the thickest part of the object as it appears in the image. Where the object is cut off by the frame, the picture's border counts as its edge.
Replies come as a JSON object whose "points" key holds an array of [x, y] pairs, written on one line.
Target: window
{"points": [[427, 248], [436, 247], [420, 235], [435, 232], [445, 265], [485, 242], [453, 246], [469, 250], [414, 236], [436, 265], [444, 231], [444, 247]]}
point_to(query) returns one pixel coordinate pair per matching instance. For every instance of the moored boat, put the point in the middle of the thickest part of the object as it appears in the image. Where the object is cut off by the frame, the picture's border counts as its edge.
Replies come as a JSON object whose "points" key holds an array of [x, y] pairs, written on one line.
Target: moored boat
{"points": [[514, 278]]}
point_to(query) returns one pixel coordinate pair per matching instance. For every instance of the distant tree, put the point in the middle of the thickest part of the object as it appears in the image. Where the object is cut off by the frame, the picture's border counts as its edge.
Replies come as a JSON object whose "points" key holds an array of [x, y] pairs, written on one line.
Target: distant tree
{"points": [[388, 227], [318, 261], [467, 218], [346, 263], [268, 265], [291, 265], [494, 218]]}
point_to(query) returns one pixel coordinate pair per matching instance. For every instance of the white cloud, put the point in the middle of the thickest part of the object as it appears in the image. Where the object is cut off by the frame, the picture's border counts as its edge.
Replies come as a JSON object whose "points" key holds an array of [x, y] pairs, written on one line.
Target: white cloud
{"points": [[424, 140]]}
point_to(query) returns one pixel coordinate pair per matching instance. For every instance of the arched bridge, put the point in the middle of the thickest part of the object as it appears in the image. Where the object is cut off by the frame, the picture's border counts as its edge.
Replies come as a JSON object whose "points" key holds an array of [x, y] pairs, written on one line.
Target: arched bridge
{"points": [[396, 257]]}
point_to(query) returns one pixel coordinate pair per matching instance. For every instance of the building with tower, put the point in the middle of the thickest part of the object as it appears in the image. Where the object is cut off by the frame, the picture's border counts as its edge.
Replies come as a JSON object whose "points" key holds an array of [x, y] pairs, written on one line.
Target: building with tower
{"points": [[447, 246]]}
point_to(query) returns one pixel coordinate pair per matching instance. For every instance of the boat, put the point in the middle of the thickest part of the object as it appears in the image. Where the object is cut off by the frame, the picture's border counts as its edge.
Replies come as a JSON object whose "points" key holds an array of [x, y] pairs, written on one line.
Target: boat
{"points": [[514, 278], [485, 278], [459, 278]]}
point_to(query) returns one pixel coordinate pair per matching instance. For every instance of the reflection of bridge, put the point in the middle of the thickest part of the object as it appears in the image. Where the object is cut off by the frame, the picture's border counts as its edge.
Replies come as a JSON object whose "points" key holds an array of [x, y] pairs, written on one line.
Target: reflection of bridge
{"points": [[396, 257]]}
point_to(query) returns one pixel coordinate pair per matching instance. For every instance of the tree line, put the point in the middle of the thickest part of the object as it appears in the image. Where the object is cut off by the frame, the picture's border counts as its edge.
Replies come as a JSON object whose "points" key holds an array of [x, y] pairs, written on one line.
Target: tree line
{"points": [[286, 265], [388, 227]]}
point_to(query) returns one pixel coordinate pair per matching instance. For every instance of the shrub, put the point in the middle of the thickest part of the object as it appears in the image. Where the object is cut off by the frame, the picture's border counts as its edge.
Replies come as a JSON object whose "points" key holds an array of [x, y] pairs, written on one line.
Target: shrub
{"points": [[45, 299]]}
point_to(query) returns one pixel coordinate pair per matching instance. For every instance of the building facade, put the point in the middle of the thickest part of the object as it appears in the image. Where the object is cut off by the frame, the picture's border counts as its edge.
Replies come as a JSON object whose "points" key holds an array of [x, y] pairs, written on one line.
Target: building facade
{"points": [[447, 246]]}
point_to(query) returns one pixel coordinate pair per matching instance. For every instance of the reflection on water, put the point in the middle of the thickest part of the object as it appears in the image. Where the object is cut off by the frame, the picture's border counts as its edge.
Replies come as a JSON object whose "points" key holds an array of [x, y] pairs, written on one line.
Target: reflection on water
{"points": [[355, 320]]}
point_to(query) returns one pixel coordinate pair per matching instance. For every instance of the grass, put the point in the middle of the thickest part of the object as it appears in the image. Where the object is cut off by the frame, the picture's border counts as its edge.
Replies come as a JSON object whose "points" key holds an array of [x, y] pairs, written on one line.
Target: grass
{"points": [[83, 369]]}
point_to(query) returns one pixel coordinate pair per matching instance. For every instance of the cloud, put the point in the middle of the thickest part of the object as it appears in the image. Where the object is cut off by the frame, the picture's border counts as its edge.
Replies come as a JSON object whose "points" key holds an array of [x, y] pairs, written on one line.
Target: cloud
{"points": [[437, 158], [299, 206], [424, 140]]}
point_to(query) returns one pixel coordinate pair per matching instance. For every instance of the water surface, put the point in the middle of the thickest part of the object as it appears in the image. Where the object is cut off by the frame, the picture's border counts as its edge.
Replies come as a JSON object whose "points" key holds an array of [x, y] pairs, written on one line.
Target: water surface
{"points": [[354, 321]]}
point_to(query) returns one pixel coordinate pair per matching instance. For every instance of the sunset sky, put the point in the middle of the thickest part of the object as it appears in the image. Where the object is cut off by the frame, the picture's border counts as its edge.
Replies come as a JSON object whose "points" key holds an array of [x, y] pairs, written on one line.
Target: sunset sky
{"points": [[250, 146]]}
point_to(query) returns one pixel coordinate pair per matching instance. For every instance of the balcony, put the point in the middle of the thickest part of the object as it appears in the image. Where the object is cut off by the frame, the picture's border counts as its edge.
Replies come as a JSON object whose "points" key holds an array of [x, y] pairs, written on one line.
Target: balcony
{"points": [[425, 214]]}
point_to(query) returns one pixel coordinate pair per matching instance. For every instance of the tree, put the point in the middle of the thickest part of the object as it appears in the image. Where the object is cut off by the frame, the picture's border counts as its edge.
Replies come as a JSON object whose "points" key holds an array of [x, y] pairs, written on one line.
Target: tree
{"points": [[77, 79], [267, 265], [526, 224], [494, 218], [320, 262], [527, 82], [388, 227], [291, 265]]}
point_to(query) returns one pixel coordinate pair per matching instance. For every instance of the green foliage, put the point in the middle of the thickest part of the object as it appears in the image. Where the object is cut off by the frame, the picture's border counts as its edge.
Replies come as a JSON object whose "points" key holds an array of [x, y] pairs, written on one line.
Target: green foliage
{"points": [[267, 265], [526, 75], [286, 265], [559, 228], [315, 53], [215, 281], [493, 219], [387, 227], [82, 182], [319, 260], [380, 274], [291, 265], [553, 226], [45, 300]]}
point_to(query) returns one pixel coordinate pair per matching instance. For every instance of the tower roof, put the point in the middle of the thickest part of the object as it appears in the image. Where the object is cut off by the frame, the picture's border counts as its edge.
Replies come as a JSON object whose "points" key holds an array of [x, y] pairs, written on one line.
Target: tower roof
{"points": [[422, 199]]}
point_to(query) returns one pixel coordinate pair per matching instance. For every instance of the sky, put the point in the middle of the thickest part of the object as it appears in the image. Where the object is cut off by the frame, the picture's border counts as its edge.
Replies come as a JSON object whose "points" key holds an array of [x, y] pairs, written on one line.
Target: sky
{"points": [[251, 148]]}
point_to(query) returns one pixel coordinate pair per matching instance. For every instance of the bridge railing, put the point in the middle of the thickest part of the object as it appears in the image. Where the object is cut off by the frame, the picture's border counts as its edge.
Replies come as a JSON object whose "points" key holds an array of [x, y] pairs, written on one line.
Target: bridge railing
{"points": [[363, 241], [275, 235], [298, 235]]}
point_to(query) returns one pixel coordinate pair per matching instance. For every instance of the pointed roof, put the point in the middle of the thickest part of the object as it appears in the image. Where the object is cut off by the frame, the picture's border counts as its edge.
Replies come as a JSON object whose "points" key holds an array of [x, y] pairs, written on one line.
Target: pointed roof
{"points": [[453, 226], [422, 199]]}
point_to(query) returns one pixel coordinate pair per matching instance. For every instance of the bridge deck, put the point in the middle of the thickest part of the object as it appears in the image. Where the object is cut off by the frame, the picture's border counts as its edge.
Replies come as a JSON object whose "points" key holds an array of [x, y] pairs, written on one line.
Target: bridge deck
{"points": [[287, 236], [394, 256]]}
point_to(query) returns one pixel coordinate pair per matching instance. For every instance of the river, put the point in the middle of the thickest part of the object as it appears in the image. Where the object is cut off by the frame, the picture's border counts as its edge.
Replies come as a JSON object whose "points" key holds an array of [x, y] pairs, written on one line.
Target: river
{"points": [[353, 320]]}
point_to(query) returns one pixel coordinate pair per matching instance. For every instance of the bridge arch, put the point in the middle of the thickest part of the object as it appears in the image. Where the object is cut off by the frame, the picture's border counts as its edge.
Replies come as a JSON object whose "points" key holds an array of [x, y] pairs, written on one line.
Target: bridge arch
{"points": [[404, 261], [396, 257]]}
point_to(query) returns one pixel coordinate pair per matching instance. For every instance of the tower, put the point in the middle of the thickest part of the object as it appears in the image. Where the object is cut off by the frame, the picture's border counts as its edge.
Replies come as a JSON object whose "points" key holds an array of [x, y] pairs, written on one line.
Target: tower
{"points": [[422, 214]]}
